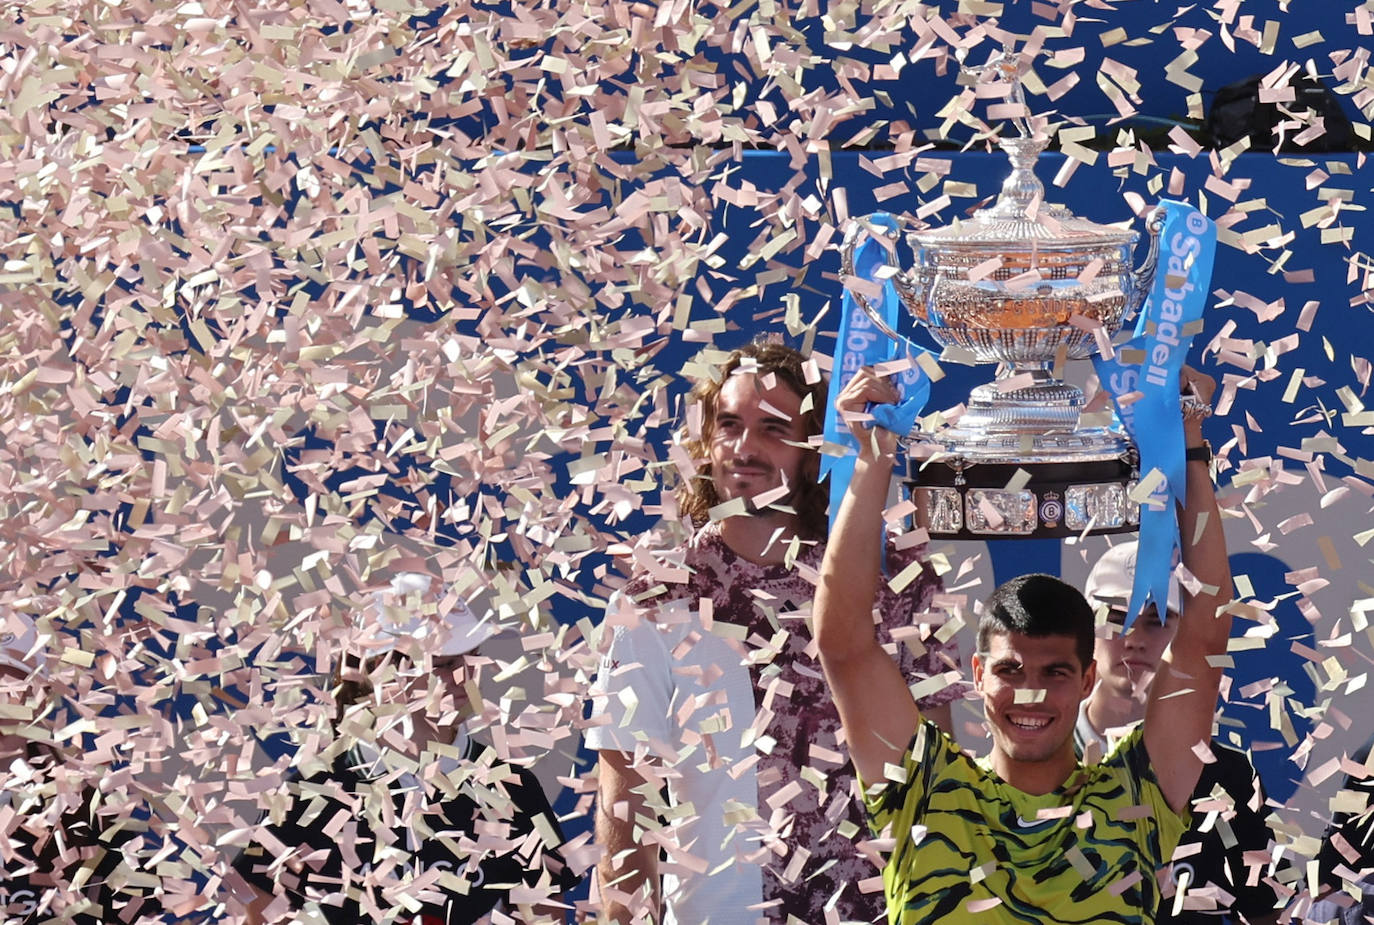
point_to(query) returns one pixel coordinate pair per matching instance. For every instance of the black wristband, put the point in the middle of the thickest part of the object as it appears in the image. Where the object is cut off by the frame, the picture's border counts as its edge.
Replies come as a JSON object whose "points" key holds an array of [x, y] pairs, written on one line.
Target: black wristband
{"points": [[1202, 454]]}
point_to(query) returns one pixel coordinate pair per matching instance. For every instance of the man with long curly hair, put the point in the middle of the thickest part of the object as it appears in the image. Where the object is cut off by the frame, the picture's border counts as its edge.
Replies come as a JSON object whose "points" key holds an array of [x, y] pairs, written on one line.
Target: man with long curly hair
{"points": [[719, 745]]}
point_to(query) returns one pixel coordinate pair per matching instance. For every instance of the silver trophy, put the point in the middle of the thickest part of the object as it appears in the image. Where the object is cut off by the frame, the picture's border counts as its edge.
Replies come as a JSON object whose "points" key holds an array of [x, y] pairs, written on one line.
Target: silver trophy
{"points": [[1026, 285]]}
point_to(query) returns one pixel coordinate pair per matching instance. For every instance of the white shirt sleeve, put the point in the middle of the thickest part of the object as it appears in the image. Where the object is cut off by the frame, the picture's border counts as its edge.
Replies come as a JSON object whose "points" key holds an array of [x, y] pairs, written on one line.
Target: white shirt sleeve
{"points": [[633, 692]]}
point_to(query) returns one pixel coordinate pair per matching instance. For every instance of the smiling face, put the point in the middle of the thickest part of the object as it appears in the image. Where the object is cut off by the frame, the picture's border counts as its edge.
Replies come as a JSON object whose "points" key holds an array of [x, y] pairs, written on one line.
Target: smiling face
{"points": [[1127, 664], [436, 695], [758, 439], [432, 692], [1031, 687]]}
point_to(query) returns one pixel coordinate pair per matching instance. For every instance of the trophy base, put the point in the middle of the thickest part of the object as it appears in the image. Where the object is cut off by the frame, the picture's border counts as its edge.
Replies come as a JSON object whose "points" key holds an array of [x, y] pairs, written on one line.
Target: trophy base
{"points": [[1070, 484]]}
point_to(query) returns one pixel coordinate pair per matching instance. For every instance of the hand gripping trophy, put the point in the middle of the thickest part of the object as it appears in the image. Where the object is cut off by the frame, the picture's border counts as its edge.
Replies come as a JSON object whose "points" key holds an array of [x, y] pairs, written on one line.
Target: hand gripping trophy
{"points": [[1027, 285]]}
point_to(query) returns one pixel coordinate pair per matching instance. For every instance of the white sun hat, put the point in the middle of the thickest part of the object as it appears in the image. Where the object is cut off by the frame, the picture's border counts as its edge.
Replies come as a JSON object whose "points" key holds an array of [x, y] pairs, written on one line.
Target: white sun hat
{"points": [[18, 641], [410, 610], [1112, 578]]}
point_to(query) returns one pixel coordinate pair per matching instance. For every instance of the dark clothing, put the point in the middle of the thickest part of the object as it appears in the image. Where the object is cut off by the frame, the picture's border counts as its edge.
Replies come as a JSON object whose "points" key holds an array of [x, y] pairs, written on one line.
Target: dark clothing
{"points": [[1347, 852], [36, 881], [367, 859], [1219, 861], [1220, 883]]}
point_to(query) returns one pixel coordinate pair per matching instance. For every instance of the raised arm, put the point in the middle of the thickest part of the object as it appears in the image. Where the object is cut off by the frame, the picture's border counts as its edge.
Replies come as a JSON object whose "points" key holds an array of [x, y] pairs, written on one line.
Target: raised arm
{"points": [[876, 708], [630, 862], [1184, 695]]}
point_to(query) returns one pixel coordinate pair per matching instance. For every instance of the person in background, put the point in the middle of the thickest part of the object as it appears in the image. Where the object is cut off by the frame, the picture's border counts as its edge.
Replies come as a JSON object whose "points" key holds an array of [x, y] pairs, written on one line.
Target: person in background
{"points": [[1345, 863], [710, 687], [414, 821], [53, 822], [1212, 880]]}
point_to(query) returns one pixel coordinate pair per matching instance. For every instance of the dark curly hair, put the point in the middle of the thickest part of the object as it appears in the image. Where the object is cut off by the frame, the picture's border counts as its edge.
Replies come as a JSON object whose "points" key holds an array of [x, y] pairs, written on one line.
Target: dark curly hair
{"points": [[811, 501], [1039, 605]]}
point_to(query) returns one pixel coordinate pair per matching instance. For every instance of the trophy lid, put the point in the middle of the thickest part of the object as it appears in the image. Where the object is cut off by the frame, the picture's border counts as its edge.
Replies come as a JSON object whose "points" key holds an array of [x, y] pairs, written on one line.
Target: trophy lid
{"points": [[1021, 218]]}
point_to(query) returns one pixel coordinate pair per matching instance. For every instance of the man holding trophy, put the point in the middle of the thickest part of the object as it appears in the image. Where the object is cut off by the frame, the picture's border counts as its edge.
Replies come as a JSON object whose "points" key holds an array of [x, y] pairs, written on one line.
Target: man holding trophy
{"points": [[1029, 834], [1032, 835]]}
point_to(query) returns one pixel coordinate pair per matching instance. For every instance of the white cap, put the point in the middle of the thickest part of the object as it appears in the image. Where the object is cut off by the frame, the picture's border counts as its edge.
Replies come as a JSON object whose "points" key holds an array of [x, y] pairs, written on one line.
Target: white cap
{"points": [[399, 616], [1112, 578], [18, 641]]}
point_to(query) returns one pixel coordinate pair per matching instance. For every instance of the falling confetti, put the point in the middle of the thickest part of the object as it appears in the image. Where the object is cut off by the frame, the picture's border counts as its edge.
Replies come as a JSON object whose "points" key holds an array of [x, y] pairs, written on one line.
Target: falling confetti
{"points": [[297, 296]]}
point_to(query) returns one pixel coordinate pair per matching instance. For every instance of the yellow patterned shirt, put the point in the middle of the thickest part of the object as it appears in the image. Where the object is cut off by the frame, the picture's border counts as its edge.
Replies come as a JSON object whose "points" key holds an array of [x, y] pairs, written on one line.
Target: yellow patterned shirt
{"points": [[971, 848]]}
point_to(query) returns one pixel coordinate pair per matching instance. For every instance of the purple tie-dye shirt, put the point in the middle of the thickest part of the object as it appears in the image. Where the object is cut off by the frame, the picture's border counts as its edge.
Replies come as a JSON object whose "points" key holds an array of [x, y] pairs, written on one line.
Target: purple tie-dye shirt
{"points": [[814, 854]]}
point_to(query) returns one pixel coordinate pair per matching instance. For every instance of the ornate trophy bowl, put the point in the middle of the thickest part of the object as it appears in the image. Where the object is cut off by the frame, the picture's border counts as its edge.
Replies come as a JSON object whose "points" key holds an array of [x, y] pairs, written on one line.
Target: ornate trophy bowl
{"points": [[1028, 286]]}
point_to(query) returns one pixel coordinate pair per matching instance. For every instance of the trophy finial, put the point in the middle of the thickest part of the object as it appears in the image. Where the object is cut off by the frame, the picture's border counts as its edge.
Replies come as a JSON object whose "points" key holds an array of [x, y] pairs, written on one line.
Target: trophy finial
{"points": [[1022, 188], [1005, 65]]}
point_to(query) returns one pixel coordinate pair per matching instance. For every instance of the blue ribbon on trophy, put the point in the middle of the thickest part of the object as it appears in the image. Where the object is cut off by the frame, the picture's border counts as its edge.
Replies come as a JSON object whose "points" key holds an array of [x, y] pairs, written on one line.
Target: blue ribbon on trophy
{"points": [[860, 343], [1149, 364]]}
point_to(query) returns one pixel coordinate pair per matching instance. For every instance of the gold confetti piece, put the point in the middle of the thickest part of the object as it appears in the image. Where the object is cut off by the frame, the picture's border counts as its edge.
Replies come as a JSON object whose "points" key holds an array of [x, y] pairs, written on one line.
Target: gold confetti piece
{"points": [[1147, 486], [78, 657], [1294, 381], [1112, 37], [899, 582], [1080, 863], [735, 507]]}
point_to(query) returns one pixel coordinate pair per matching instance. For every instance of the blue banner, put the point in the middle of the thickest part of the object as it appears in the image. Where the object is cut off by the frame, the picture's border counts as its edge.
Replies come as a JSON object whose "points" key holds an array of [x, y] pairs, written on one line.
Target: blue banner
{"points": [[860, 343], [1149, 365]]}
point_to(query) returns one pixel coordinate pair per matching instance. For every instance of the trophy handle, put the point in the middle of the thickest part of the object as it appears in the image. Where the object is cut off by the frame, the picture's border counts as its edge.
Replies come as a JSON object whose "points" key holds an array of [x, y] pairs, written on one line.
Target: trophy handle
{"points": [[855, 236], [1142, 279]]}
